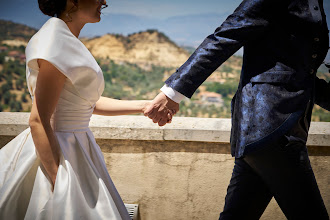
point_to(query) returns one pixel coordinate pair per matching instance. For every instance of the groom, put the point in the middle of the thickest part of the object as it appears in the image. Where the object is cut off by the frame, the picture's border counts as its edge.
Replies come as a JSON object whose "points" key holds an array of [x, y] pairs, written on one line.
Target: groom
{"points": [[285, 41]]}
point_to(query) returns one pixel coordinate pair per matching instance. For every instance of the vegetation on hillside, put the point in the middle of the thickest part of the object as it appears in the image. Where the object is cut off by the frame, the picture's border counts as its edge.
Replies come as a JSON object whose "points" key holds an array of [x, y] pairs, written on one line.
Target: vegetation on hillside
{"points": [[10, 30], [129, 81], [14, 94]]}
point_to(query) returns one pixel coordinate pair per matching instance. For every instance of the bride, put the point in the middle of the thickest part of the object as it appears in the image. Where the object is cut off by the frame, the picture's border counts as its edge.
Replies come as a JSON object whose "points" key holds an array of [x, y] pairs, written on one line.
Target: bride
{"points": [[55, 169]]}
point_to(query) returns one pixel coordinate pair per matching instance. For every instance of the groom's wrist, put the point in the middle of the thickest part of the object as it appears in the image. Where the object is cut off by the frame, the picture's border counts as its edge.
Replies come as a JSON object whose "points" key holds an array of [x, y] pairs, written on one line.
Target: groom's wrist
{"points": [[172, 94]]}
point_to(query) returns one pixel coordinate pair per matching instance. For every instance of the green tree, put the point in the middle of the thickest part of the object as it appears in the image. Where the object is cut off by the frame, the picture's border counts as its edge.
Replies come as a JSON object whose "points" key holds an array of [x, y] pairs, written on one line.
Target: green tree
{"points": [[20, 83], [224, 89], [21, 48], [13, 97], [18, 106], [227, 69], [23, 97], [12, 104], [2, 58], [4, 88], [15, 106], [9, 79], [6, 97]]}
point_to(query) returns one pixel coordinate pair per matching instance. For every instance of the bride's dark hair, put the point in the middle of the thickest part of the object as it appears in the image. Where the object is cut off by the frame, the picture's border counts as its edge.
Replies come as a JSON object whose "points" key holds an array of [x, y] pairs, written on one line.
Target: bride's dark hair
{"points": [[52, 7]]}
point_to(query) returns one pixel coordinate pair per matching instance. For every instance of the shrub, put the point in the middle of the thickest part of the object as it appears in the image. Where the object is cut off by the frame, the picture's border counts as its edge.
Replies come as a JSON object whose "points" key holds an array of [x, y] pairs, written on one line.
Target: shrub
{"points": [[23, 97], [6, 97]]}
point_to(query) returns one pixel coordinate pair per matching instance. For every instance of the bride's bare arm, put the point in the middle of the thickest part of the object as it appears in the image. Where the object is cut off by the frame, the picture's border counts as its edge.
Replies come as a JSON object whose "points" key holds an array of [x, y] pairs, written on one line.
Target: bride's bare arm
{"points": [[112, 107], [50, 82]]}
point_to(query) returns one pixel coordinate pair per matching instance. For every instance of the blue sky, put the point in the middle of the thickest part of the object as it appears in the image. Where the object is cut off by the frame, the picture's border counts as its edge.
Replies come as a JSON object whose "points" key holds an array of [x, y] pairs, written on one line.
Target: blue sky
{"points": [[168, 8], [186, 22], [27, 11], [151, 8]]}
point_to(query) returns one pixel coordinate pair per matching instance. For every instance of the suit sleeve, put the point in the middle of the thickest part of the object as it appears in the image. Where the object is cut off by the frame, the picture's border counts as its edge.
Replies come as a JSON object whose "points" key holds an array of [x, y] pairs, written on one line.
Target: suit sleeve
{"points": [[249, 21], [322, 93]]}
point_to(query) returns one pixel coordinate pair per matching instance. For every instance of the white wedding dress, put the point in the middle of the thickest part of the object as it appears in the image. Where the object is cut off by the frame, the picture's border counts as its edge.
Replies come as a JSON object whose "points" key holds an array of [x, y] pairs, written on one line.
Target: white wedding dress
{"points": [[83, 188]]}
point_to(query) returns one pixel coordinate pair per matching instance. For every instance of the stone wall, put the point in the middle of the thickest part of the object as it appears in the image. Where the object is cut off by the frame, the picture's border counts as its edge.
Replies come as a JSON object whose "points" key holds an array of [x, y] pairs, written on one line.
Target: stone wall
{"points": [[180, 171]]}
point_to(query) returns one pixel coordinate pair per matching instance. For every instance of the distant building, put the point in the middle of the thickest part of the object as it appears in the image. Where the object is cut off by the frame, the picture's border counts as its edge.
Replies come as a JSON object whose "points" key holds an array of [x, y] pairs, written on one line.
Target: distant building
{"points": [[3, 49], [8, 58], [15, 55], [211, 98]]}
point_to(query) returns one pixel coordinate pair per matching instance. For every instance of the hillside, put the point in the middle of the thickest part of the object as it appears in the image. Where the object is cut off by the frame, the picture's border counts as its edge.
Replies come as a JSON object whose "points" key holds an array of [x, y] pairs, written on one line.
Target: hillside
{"points": [[13, 31], [144, 48]]}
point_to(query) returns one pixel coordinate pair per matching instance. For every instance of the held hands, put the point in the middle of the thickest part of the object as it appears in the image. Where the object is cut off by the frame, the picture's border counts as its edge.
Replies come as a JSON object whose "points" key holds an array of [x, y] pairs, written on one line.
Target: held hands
{"points": [[161, 109]]}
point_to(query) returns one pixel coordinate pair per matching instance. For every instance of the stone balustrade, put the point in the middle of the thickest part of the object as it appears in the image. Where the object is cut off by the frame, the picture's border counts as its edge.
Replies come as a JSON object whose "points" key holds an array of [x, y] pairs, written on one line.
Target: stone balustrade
{"points": [[179, 171]]}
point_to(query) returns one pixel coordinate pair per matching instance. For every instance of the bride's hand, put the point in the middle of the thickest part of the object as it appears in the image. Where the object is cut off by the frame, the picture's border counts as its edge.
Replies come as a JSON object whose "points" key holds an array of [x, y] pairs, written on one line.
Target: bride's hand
{"points": [[170, 115], [52, 177]]}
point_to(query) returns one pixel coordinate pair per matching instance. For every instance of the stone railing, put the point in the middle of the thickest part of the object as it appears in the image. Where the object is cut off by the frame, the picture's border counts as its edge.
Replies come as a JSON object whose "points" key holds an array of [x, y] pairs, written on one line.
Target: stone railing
{"points": [[181, 170]]}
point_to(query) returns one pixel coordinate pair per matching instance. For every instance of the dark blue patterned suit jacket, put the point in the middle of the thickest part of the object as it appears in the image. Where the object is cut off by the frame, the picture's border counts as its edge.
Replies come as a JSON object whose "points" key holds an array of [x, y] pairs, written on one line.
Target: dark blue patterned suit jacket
{"points": [[285, 41]]}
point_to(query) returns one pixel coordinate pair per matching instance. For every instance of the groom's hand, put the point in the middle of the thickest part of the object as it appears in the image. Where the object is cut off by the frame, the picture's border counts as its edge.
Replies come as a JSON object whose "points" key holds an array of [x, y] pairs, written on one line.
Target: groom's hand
{"points": [[161, 109]]}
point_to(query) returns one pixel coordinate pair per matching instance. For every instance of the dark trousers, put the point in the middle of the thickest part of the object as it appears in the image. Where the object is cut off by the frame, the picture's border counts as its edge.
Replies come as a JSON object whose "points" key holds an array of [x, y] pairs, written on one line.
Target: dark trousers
{"points": [[281, 170]]}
